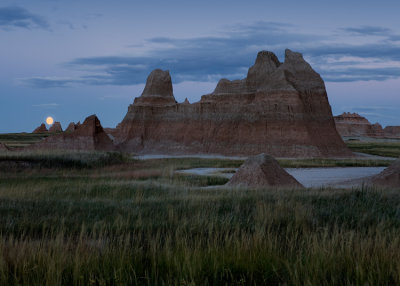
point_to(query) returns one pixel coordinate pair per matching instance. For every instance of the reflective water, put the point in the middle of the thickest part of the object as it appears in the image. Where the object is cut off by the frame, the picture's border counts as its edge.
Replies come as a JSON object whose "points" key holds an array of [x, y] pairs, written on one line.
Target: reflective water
{"points": [[308, 177]]}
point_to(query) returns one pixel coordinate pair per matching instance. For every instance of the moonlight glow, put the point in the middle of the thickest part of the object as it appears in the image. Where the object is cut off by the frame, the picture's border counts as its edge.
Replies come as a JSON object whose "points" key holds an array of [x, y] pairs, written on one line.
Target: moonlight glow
{"points": [[49, 120]]}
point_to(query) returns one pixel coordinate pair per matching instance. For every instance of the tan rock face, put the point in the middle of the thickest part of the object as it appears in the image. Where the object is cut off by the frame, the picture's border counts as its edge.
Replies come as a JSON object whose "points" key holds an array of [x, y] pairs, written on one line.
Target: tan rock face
{"points": [[390, 177], [87, 136], [280, 108], [354, 125], [261, 171], [56, 127], [41, 129]]}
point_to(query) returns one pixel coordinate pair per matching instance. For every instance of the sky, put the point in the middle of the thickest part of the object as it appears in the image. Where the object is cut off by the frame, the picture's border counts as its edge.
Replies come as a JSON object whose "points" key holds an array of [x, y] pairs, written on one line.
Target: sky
{"points": [[71, 59]]}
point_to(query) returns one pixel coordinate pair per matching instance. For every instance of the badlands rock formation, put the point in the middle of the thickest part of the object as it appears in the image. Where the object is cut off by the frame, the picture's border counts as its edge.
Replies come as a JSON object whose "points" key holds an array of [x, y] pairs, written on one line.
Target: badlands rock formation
{"points": [[158, 90], [280, 108], [88, 136], [72, 127], [353, 125], [392, 131], [261, 171], [41, 129], [390, 177], [56, 127]]}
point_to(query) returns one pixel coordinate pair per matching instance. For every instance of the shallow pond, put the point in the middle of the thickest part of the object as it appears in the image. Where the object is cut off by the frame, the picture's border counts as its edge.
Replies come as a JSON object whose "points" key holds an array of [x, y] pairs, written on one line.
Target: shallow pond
{"points": [[308, 177]]}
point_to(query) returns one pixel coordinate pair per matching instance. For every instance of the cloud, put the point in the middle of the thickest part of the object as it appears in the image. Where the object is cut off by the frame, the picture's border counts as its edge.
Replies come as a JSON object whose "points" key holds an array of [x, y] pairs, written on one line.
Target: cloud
{"points": [[368, 30], [359, 74], [230, 53], [46, 105], [17, 17]]}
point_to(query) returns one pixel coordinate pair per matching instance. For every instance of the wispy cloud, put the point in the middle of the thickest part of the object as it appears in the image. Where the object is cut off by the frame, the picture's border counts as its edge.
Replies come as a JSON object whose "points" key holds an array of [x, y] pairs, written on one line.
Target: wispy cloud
{"points": [[368, 30], [48, 82], [46, 105], [17, 17], [231, 52]]}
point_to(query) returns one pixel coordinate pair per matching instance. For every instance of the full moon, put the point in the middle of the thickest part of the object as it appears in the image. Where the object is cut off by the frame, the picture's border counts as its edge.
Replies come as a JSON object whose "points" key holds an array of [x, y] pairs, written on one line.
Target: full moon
{"points": [[49, 120]]}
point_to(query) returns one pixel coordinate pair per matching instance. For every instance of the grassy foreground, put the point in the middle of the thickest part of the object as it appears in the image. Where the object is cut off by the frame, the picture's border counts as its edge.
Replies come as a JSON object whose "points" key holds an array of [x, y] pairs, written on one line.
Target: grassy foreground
{"points": [[119, 222]]}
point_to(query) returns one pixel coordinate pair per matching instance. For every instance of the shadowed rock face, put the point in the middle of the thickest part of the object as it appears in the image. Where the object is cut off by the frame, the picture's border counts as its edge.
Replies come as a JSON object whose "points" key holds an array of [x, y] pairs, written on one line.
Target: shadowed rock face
{"points": [[280, 108], [41, 129], [352, 124], [87, 136], [262, 171], [56, 127], [390, 177]]}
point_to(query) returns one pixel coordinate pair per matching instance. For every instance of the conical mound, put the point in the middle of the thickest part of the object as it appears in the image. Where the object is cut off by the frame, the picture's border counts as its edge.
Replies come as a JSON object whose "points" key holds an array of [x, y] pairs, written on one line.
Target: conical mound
{"points": [[390, 177], [261, 171]]}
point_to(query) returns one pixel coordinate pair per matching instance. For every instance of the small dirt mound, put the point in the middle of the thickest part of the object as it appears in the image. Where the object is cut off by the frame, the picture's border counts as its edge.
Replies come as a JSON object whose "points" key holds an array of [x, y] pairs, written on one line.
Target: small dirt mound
{"points": [[390, 177], [260, 171]]}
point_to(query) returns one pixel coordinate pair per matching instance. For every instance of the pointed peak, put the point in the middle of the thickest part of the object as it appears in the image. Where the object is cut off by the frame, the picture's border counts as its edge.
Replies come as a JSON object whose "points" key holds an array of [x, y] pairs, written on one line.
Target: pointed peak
{"points": [[158, 89], [158, 83], [56, 127], [91, 119], [90, 126], [267, 56], [186, 101], [72, 127], [266, 64], [41, 129]]}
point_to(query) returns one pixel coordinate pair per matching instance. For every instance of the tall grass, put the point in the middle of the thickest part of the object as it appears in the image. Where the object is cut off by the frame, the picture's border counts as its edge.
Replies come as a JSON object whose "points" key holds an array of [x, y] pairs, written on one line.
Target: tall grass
{"points": [[104, 227]]}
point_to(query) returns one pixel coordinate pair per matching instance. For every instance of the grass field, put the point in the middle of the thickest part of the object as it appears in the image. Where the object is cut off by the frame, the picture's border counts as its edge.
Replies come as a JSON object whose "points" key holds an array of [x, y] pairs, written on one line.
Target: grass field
{"points": [[385, 149], [104, 219]]}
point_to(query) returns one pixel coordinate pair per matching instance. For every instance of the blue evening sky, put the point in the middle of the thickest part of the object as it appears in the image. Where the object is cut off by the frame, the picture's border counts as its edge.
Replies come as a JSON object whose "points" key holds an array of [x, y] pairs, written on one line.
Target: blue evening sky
{"points": [[70, 59]]}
